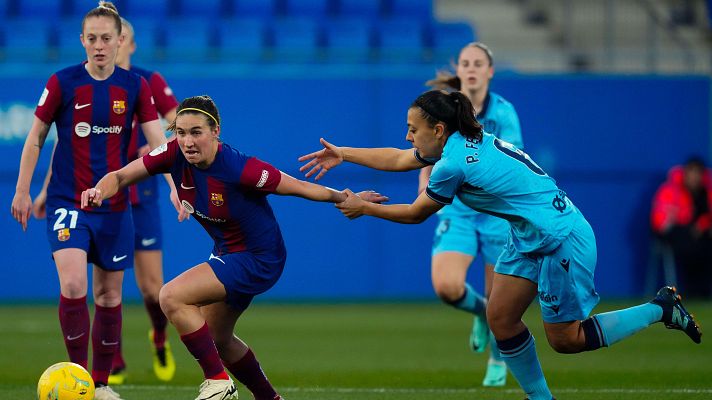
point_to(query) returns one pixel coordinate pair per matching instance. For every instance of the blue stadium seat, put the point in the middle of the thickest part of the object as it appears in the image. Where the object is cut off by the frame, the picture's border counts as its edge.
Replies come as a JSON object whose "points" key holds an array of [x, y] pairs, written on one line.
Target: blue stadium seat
{"points": [[422, 9], [79, 8], [253, 8], [39, 9], [348, 40], [308, 8], [189, 40], [400, 40], [295, 40], [242, 39], [449, 38], [26, 40], [67, 45], [369, 9], [203, 8], [148, 9], [149, 37], [4, 9]]}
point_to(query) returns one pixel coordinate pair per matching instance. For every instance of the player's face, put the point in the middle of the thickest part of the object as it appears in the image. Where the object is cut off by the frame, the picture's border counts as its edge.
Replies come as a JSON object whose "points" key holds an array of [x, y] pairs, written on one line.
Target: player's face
{"points": [[100, 40], [474, 69], [127, 47], [196, 139], [426, 139]]}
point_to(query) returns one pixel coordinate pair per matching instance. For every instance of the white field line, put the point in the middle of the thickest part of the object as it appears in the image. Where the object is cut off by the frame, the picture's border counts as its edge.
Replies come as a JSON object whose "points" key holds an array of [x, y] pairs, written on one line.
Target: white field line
{"points": [[439, 390]]}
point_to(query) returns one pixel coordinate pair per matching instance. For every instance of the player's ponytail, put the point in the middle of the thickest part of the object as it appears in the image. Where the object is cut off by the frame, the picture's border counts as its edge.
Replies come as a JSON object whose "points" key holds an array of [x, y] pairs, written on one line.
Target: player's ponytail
{"points": [[105, 9], [453, 109]]}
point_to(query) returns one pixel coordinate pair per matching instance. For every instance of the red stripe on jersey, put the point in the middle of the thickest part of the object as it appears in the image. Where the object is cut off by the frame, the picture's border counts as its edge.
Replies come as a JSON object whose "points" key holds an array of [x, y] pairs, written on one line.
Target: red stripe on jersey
{"points": [[118, 101], [186, 188], [162, 94], [145, 106], [260, 176], [81, 140], [219, 209], [50, 101]]}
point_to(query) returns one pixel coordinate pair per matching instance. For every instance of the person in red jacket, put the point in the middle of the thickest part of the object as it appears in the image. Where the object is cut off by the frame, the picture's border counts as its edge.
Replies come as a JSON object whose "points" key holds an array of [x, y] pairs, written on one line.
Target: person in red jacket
{"points": [[682, 217]]}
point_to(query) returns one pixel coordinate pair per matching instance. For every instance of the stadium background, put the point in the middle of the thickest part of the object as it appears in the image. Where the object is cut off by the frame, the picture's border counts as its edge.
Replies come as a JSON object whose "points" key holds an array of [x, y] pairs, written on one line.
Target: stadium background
{"points": [[607, 138]]}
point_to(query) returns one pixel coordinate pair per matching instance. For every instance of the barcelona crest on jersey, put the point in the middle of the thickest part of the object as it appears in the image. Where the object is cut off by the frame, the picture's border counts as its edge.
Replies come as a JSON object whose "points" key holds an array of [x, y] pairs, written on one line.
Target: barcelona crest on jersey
{"points": [[119, 106], [63, 235], [217, 199]]}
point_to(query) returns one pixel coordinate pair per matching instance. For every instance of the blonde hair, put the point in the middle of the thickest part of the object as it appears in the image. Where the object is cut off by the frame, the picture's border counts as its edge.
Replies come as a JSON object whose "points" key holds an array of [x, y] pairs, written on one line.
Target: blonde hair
{"points": [[445, 79], [105, 9]]}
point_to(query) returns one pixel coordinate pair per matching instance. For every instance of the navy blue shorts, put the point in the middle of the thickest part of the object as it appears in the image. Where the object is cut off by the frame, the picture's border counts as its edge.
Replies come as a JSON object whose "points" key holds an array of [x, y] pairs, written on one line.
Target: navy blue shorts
{"points": [[148, 234], [106, 237], [244, 275]]}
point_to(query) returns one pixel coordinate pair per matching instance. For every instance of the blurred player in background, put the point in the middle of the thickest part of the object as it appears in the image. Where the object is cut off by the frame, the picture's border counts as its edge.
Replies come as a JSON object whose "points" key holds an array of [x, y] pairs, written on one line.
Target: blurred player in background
{"points": [[148, 236], [226, 191], [93, 105], [462, 231], [551, 249]]}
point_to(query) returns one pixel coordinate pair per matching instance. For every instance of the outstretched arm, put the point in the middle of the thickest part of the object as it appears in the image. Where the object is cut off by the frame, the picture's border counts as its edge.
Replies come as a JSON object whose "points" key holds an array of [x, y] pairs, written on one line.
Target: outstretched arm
{"points": [[289, 186], [114, 181], [415, 213], [385, 159]]}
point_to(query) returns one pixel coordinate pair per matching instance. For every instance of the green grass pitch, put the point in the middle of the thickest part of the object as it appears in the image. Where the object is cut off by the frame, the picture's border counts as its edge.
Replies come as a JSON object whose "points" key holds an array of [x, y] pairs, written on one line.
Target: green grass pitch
{"points": [[375, 351]]}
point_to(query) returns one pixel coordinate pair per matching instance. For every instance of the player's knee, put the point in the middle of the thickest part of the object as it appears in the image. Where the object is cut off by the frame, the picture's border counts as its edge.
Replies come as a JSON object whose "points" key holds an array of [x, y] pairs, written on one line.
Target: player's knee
{"points": [[449, 291], [168, 300]]}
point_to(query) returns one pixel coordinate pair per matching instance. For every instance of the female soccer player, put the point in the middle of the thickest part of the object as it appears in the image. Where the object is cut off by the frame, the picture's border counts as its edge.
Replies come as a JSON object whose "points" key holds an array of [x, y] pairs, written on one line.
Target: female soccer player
{"points": [[148, 235], [226, 191], [93, 105], [551, 249], [462, 231]]}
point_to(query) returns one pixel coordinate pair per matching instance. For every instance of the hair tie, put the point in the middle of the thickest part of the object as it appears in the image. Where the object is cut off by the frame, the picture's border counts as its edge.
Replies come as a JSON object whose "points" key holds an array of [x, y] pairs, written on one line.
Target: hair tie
{"points": [[199, 110]]}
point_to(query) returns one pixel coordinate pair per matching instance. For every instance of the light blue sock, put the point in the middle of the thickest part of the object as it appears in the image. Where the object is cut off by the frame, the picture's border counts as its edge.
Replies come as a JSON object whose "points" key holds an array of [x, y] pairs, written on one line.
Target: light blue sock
{"points": [[494, 350], [471, 301], [618, 325], [520, 355]]}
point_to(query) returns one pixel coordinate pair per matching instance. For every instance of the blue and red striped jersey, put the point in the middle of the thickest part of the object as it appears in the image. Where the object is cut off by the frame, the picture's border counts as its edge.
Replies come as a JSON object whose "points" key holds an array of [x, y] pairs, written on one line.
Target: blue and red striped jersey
{"points": [[147, 191], [93, 120], [229, 198]]}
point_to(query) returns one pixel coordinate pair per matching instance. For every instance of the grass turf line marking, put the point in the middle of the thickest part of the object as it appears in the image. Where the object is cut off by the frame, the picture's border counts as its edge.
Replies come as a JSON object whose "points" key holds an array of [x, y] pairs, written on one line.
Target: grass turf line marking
{"points": [[441, 390]]}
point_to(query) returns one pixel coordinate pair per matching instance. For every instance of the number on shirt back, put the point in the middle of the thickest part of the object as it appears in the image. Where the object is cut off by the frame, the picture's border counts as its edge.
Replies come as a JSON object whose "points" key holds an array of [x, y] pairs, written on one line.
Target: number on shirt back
{"points": [[73, 215], [515, 153]]}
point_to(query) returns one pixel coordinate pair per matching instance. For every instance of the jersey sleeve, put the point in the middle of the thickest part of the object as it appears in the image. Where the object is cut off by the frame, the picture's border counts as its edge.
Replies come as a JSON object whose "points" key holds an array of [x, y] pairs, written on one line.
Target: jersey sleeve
{"points": [[145, 107], [50, 101], [260, 176], [510, 130], [161, 159], [162, 94], [445, 180]]}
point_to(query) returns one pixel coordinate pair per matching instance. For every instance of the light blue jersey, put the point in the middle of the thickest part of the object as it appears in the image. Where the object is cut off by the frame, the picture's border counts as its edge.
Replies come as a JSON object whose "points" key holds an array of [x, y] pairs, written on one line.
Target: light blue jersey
{"points": [[498, 118], [495, 177]]}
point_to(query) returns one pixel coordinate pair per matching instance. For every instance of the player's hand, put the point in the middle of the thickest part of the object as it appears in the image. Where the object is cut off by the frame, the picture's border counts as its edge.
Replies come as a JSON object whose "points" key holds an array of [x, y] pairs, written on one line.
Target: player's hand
{"points": [[352, 206], [183, 214], [372, 197], [322, 161], [91, 198], [21, 208], [39, 205]]}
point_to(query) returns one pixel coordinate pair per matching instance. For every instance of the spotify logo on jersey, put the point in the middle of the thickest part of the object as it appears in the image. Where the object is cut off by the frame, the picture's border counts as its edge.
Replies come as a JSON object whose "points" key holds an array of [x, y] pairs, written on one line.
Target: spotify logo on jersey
{"points": [[82, 129]]}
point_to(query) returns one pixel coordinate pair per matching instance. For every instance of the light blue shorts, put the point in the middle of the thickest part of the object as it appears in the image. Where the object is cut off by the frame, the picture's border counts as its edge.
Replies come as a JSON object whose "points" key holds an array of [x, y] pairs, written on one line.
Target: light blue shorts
{"points": [[564, 277], [470, 234]]}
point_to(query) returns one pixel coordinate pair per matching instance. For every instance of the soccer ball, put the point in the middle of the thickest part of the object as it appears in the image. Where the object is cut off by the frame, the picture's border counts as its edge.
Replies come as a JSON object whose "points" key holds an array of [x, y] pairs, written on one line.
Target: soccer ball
{"points": [[65, 381]]}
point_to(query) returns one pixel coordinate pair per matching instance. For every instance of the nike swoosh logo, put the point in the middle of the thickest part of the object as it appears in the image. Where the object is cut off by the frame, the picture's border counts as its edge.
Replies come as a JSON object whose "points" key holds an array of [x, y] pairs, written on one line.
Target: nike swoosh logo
{"points": [[217, 258], [80, 106], [105, 343], [148, 242], [75, 337], [186, 187], [117, 259]]}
